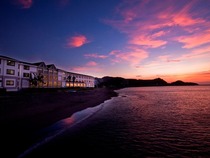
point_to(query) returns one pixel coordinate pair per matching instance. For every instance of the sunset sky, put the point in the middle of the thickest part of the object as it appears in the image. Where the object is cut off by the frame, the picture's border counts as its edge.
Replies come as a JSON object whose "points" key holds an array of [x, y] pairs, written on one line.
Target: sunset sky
{"points": [[142, 39]]}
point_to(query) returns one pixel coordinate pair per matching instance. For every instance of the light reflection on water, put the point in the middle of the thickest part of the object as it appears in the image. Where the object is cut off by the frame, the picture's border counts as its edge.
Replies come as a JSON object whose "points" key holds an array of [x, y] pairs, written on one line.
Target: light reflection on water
{"points": [[77, 117], [61, 126], [142, 122], [174, 121]]}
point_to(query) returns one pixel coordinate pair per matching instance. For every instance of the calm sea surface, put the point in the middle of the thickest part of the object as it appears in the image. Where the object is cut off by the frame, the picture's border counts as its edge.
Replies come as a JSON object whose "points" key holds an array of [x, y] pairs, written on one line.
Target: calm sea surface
{"points": [[141, 122]]}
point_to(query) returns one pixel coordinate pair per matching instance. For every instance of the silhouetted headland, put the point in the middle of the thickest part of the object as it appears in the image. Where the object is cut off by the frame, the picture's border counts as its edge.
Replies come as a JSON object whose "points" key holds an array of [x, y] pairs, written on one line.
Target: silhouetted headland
{"points": [[181, 83], [119, 82]]}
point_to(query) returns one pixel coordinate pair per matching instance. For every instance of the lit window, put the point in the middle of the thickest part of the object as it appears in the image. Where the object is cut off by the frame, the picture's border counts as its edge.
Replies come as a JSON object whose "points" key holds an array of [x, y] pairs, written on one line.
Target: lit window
{"points": [[10, 82], [25, 74], [10, 72], [10, 63], [25, 67]]}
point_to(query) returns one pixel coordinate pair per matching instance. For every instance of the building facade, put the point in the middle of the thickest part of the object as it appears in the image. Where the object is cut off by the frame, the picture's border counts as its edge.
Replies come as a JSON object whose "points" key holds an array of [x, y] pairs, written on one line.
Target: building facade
{"points": [[9, 73], [15, 75], [24, 72]]}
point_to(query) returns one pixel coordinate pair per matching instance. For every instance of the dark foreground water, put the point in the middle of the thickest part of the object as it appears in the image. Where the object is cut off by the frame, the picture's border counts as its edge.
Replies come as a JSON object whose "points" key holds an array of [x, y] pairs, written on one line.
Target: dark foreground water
{"points": [[141, 122]]}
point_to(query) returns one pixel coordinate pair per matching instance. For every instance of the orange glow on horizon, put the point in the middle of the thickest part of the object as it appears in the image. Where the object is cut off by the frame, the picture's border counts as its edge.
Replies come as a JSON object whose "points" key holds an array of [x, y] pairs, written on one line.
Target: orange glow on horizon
{"points": [[198, 77]]}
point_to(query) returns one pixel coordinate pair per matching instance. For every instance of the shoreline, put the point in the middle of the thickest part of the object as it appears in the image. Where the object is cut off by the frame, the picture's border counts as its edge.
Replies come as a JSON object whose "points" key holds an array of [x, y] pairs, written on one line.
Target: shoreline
{"points": [[23, 114]]}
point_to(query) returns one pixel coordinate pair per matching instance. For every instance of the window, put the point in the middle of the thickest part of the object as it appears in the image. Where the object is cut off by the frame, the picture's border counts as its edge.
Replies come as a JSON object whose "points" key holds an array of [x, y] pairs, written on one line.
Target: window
{"points": [[40, 70], [0, 82], [25, 67], [10, 63], [25, 74], [0, 61], [10, 83], [10, 72]]}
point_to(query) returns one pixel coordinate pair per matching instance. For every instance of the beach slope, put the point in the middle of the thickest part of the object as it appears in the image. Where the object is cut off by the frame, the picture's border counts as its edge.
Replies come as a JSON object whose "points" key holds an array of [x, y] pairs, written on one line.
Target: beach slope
{"points": [[22, 114]]}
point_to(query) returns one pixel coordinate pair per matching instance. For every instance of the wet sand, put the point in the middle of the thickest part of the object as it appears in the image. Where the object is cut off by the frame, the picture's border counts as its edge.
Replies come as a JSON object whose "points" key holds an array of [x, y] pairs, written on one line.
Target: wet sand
{"points": [[23, 114]]}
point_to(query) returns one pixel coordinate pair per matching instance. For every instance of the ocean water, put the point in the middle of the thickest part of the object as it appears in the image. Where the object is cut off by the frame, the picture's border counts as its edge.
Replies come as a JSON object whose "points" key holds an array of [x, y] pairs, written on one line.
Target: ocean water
{"points": [[140, 122]]}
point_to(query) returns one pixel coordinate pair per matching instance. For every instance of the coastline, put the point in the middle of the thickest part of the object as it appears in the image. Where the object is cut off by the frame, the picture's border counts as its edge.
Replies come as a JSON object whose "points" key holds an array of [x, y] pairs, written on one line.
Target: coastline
{"points": [[23, 114]]}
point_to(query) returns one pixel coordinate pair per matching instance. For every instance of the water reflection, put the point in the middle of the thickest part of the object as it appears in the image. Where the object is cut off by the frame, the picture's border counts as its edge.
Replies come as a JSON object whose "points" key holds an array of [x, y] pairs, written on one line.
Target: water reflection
{"points": [[61, 126], [77, 117], [141, 122]]}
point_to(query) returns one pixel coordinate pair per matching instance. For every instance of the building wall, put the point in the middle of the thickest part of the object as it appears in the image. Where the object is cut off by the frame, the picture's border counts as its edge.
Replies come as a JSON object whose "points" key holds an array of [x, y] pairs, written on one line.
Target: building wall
{"points": [[52, 78], [10, 74], [1, 73], [61, 78], [15, 75], [25, 70], [42, 71]]}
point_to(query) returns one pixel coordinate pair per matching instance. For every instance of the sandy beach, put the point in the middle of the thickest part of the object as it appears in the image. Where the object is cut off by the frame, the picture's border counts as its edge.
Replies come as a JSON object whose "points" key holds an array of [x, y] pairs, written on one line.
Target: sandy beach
{"points": [[23, 114]]}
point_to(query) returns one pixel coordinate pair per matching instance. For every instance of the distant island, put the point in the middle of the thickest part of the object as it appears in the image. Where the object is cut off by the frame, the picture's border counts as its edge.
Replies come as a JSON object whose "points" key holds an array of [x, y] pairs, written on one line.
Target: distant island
{"points": [[119, 82]]}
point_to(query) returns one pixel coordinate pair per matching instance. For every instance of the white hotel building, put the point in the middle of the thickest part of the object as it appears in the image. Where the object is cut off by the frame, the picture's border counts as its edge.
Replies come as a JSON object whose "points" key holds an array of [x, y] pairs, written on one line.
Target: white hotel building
{"points": [[15, 75]]}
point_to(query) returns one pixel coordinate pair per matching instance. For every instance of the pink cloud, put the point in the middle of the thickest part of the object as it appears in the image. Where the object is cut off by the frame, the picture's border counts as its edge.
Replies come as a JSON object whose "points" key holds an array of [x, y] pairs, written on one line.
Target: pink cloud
{"points": [[148, 41], [80, 68], [184, 17], [76, 41], [152, 24], [201, 50], [134, 57], [90, 66], [173, 60], [113, 52], [158, 34], [115, 60], [191, 41], [197, 53], [202, 53], [167, 58], [95, 55], [164, 57], [84, 69], [25, 4], [63, 3], [186, 20], [91, 63]]}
